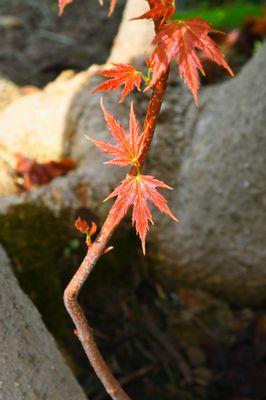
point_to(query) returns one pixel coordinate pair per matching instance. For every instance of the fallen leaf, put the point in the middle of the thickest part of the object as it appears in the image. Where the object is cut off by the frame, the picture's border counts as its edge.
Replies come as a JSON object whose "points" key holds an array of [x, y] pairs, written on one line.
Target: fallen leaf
{"points": [[35, 174]]}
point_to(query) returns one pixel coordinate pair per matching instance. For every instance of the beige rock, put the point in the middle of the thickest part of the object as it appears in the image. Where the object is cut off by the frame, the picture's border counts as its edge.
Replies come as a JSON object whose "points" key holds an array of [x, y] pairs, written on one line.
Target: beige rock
{"points": [[8, 93], [133, 37], [36, 124]]}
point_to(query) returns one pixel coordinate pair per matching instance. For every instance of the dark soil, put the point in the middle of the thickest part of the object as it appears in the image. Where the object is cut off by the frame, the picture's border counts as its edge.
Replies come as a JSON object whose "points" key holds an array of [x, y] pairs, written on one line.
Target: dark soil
{"points": [[36, 45], [165, 343]]}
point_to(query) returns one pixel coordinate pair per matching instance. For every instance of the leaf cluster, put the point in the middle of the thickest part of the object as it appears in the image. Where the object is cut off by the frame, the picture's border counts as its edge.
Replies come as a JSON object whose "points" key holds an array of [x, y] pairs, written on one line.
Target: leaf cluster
{"points": [[180, 41]]}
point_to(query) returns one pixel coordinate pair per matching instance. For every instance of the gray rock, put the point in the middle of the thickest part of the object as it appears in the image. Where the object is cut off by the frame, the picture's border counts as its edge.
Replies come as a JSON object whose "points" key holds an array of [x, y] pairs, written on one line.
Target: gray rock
{"points": [[220, 194], [30, 363]]}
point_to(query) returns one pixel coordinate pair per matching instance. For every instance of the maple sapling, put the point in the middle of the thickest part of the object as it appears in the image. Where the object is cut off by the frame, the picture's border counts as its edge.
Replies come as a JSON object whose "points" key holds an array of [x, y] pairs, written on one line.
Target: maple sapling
{"points": [[175, 40]]}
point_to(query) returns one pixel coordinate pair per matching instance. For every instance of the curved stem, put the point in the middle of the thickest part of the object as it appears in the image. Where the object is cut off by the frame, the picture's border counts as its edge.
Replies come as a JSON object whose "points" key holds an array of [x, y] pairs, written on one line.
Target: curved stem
{"points": [[84, 331]]}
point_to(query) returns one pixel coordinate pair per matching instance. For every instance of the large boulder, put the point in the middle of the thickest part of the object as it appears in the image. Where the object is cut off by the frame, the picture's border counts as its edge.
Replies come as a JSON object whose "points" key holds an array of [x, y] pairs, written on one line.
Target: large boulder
{"points": [[31, 366], [220, 194]]}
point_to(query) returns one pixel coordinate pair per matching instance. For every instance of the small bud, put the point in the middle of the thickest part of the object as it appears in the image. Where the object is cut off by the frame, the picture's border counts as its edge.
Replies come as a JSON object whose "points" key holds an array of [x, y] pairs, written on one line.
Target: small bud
{"points": [[82, 225]]}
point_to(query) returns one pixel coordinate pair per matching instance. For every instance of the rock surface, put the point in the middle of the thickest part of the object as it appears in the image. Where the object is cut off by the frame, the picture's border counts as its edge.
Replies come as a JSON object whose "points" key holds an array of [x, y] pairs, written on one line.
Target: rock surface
{"points": [[8, 92], [30, 363], [127, 45], [37, 45], [39, 128], [220, 196]]}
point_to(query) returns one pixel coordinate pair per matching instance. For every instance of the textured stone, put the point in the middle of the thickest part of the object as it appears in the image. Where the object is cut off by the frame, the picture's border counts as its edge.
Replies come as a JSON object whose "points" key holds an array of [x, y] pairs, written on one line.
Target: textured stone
{"points": [[30, 363], [39, 127], [220, 196]]}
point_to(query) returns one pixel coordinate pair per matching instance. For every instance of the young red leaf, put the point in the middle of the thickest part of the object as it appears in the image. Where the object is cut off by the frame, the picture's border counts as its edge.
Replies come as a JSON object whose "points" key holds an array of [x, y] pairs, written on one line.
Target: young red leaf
{"points": [[179, 40], [121, 74], [160, 9], [136, 191], [83, 226], [127, 149], [63, 3]]}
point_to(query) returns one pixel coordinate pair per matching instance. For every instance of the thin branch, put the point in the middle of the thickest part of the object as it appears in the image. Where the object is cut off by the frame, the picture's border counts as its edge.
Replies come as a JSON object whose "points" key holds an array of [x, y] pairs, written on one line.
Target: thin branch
{"points": [[152, 115], [126, 380], [84, 331]]}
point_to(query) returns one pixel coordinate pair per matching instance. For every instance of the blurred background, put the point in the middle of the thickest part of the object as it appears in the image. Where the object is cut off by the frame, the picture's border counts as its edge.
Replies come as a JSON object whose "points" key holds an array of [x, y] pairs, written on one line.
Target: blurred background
{"points": [[188, 321], [37, 45]]}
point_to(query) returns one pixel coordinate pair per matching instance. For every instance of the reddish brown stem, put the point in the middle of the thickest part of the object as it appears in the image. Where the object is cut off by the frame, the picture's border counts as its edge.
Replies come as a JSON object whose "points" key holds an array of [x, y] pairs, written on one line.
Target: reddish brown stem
{"points": [[152, 115], [84, 332]]}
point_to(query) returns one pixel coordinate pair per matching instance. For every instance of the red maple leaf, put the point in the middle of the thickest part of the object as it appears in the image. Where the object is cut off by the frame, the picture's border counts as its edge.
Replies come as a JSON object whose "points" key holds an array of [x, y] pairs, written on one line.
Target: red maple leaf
{"points": [[63, 3], [136, 191], [160, 9], [121, 74], [179, 40], [127, 149]]}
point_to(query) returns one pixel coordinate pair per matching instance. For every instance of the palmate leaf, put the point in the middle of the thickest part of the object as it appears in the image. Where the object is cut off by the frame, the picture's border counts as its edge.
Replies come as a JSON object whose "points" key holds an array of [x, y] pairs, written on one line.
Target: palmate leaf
{"points": [[160, 9], [63, 3], [179, 40], [127, 148], [120, 74], [137, 191]]}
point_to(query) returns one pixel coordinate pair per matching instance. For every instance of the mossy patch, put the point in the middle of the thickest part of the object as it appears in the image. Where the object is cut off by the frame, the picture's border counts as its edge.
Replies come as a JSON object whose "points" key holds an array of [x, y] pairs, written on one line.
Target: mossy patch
{"points": [[45, 251], [34, 239]]}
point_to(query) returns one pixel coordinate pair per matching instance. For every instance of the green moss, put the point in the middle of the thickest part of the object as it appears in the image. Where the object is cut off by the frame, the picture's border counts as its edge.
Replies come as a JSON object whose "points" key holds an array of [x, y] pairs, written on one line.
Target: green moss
{"points": [[34, 240], [224, 17], [40, 244]]}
